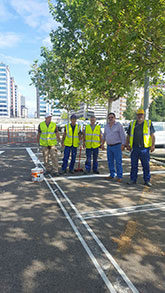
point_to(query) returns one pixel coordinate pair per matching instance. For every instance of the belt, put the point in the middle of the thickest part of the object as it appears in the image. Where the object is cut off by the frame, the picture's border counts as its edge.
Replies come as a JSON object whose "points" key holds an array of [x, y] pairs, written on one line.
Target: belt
{"points": [[114, 144]]}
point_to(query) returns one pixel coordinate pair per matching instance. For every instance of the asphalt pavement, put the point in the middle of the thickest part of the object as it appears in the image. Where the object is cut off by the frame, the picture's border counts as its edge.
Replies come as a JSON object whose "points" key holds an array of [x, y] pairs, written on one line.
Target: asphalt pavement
{"points": [[80, 234]]}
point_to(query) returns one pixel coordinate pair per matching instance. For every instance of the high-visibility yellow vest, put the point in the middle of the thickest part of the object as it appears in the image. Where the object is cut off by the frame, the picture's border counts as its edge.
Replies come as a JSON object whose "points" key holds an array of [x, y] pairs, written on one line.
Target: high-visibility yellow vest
{"points": [[48, 135], [146, 133], [72, 138], [92, 138]]}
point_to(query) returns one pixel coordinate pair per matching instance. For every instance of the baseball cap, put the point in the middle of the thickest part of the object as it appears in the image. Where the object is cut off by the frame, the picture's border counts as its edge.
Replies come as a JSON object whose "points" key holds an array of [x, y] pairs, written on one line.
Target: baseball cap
{"points": [[73, 116], [140, 111], [48, 115]]}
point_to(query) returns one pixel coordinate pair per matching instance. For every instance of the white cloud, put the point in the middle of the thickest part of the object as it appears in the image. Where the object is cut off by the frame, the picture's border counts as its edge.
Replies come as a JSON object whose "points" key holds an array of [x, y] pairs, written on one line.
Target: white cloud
{"points": [[14, 60], [8, 40], [34, 12], [46, 42], [4, 13]]}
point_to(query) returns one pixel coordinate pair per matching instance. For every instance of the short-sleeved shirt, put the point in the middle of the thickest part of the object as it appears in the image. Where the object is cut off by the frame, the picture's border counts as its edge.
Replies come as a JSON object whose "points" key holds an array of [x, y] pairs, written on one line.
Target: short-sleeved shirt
{"points": [[138, 134]]}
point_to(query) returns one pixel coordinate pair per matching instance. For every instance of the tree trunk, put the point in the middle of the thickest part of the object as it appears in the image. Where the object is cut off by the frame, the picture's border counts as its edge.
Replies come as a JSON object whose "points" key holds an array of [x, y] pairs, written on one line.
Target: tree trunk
{"points": [[109, 106]]}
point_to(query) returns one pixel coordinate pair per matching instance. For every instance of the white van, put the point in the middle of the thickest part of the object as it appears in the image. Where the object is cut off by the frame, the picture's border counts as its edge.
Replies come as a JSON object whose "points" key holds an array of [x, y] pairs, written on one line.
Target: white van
{"points": [[159, 133]]}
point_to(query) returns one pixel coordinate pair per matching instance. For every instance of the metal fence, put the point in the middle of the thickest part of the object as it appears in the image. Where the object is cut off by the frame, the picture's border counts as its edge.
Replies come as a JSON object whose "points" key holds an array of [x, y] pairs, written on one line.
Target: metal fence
{"points": [[18, 135]]}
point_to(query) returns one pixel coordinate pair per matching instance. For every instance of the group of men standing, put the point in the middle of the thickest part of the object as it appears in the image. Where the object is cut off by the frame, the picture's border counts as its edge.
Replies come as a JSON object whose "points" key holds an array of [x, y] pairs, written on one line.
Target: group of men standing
{"points": [[140, 141]]}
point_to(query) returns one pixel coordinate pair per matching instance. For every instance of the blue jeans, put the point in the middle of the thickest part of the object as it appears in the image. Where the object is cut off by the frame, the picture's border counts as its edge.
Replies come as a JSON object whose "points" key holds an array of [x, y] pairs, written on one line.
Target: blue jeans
{"points": [[67, 151], [114, 153], [144, 155], [88, 159]]}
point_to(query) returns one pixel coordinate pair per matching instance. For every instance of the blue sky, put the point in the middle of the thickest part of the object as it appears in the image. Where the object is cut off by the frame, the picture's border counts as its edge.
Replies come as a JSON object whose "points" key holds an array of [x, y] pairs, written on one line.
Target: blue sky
{"points": [[24, 27]]}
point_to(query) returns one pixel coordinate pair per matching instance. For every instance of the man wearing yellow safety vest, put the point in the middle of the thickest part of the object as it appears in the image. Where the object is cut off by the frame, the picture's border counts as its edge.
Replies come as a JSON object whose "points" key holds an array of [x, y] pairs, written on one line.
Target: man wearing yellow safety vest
{"points": [[92, 139], [70, 142], [140, 140], [47, 138]]}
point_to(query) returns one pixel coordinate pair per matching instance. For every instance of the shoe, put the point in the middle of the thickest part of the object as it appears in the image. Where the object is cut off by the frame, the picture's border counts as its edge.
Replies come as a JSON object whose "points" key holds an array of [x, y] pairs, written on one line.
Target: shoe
{"points": [[96, 172], [63, 172], [131, 182], [148, 183], [86, 172], [71, 171], [119, 180], [55, 174], [110, 177]]}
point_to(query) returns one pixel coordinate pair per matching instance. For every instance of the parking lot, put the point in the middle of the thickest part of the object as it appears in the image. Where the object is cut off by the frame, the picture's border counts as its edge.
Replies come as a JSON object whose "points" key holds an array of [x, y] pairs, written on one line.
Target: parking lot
{"points": [[79, 233]]}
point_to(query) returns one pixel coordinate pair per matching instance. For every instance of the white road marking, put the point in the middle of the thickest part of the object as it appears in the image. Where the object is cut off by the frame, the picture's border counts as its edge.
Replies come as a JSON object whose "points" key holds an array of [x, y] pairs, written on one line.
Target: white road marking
{"points": [[89, 252], [106, 252], [1, 152], [106, 175], [100, 244], [123, 211]]}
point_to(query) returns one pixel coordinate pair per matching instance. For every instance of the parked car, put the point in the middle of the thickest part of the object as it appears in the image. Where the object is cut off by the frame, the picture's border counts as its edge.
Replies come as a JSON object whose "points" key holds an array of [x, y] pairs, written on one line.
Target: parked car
{"points": [[159, 134]]}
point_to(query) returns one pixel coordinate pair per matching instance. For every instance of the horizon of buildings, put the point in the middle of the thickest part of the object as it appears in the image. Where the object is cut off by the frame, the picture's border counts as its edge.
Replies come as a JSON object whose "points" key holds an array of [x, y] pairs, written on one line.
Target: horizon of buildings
{"points": [[12, 103]]}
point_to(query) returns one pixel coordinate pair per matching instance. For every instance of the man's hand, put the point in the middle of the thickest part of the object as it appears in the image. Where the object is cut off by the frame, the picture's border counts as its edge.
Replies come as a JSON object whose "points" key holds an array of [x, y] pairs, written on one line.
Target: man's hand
{"points": [[152, 148], [122, 147], [102, 147], [62, 144], [128, 147]]}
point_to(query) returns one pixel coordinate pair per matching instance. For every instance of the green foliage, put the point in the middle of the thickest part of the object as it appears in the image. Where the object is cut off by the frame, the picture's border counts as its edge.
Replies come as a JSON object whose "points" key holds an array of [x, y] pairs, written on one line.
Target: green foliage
{"points": [[131, 108], [99, 49], [157, 107], [64, 115]]}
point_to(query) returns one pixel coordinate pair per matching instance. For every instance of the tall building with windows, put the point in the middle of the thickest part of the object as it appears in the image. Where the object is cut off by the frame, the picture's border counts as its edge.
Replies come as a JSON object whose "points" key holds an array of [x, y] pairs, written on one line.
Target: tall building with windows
{"points": [[13, 98], [4, 90], [44, 107], [17, 102]]}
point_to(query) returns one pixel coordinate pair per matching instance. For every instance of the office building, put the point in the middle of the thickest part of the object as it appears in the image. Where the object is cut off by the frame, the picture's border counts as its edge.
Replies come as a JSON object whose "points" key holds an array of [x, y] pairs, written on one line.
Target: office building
{"points": [[44, 107], [12, 92], [4, 91]]}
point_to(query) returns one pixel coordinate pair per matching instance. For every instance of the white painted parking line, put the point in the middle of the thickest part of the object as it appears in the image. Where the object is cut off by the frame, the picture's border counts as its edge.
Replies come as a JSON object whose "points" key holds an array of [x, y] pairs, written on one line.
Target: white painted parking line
{"points": [[123, 211], [89, 252], [106, 175], [88, 228]]}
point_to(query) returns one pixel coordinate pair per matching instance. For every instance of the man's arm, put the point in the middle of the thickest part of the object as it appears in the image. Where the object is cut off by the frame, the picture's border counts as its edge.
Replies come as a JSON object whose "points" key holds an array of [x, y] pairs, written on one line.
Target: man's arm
{"points": [[128, 138], [127, 142], [153, 142], [38, 135], [57, 134], [122, 135], [63, 138]]}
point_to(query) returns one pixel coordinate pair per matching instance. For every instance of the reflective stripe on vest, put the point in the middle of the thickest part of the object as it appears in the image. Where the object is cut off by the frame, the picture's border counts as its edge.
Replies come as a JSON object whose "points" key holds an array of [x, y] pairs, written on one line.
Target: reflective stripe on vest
{"points": [[146, 133], [48, 135], [92, 138], [70, 135]]}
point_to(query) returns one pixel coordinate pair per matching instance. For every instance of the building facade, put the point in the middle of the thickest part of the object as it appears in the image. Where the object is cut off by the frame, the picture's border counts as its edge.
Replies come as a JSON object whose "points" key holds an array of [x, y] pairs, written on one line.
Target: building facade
{"points": [[44, 107], [4, 90]]}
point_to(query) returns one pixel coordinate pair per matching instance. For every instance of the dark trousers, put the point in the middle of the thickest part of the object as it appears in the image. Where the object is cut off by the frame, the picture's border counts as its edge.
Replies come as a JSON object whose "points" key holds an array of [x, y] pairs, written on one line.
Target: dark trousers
{"points": [[67, 151], [114, 153], [88, 159], [144, 155]]}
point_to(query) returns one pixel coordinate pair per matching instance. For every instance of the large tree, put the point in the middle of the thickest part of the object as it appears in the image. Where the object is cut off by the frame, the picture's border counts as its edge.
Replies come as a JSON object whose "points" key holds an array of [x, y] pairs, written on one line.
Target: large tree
{"points": [[101, 47]]}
